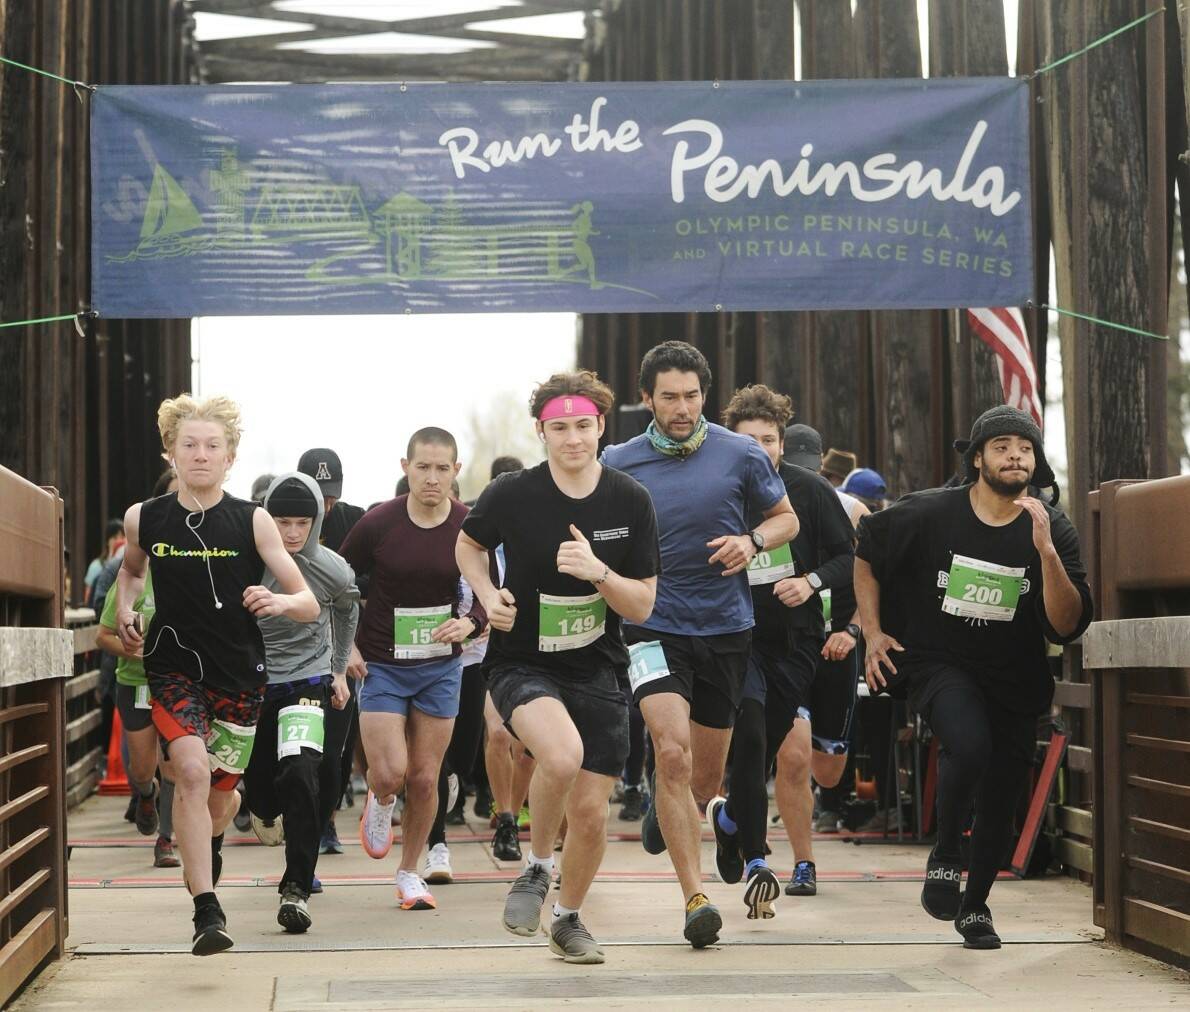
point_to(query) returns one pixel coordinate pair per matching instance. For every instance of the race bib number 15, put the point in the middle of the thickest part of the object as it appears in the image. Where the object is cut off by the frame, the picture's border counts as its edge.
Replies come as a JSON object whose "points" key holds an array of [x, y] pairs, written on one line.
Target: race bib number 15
{"points": [[412, 629]]}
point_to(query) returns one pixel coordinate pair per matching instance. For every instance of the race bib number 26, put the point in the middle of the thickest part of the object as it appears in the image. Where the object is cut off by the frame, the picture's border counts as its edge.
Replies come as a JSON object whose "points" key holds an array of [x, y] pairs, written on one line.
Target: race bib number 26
{"points": [[229, 746]]}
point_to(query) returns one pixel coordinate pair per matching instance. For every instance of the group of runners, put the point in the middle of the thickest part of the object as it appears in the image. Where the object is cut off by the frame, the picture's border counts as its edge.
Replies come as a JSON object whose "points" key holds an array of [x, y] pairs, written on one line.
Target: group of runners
{"points": [[689, 577]]}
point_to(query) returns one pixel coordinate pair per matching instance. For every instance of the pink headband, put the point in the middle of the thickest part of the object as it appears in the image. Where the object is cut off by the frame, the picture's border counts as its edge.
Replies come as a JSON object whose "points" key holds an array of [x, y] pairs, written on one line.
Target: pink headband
{"points": [[568, 407]]}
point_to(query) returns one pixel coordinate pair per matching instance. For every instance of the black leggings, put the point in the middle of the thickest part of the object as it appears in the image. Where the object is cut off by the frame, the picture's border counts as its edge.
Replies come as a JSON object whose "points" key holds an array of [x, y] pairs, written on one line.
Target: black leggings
{"points": [[748, 801], [985, 754], [334, 775], [464, 743]]}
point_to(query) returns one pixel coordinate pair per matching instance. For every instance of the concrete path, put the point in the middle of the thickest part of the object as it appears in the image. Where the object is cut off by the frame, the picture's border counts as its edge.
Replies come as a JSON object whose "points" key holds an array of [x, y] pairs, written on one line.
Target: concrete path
{"points": [[863, 939]]}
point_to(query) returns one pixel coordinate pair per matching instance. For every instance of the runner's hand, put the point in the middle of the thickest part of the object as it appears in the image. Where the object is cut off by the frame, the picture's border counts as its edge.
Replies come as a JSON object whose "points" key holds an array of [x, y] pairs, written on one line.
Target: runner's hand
{"points": [[879, 644], [793, 591], [453, 630], [734, 551], [838, 646], [340, 694], [356, 667], [133, 641], [576, 559], [263, 603], [501, 609], [1042, 539]]}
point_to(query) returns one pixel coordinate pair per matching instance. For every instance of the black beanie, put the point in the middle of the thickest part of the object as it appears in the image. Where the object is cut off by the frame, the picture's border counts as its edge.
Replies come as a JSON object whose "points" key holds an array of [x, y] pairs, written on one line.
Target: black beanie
{"points": [[1004, 420], [292, 498]]}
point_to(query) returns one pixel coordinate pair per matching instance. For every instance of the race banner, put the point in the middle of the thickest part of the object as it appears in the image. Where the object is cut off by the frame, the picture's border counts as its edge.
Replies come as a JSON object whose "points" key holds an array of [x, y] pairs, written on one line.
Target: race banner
{"points": [[669, 197]]}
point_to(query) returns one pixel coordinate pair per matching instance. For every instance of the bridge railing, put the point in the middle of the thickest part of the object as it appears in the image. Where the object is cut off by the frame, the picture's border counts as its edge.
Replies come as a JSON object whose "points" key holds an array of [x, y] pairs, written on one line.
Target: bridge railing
{"points": [[36, 658], [1138, 654], [86, 745]]}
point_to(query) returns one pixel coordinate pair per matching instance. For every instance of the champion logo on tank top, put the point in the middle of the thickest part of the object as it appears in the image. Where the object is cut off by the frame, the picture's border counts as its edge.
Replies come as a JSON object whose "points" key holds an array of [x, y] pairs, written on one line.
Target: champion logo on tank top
{"points": [[167, 551]]}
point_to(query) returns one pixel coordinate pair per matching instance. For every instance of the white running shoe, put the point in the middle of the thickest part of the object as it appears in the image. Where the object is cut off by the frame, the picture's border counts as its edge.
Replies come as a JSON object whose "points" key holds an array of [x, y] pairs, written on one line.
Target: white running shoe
{"points": [[452, 791], [437, 867], [412, 892], [376, 827], [271, 832]]}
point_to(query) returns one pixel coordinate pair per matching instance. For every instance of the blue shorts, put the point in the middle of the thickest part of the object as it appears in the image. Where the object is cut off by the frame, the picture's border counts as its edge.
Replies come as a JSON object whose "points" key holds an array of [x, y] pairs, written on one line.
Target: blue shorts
{"points": [[431, 686]]}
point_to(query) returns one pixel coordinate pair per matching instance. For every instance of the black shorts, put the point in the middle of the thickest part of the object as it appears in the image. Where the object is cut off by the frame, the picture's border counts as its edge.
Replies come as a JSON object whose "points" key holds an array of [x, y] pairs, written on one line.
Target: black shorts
{"points": [[596, 706], [133, 717], [802, 684], [706, 671]]}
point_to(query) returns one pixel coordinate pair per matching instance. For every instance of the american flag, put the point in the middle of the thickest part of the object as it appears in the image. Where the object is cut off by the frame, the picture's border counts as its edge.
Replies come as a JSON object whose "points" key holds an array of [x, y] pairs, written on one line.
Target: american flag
{"points": [[1003, 330]]}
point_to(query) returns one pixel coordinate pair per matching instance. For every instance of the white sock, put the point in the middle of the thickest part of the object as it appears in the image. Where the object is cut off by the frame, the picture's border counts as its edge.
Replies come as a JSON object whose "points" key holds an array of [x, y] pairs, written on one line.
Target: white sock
{"points": [[561, 911], [542, 862]]}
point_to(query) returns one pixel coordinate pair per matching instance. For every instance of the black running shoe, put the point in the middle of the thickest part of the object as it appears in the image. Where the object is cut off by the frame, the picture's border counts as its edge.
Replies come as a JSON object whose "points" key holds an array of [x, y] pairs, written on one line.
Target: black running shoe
{"points": [[940, 890], [293, 914], [130, 811], [729, 862], [483, 802], [804, 881], [633, 807], [243, 817], [210, 929], [651, 837], [702, 921], [505, 843], [761, 893], [976, 928]]}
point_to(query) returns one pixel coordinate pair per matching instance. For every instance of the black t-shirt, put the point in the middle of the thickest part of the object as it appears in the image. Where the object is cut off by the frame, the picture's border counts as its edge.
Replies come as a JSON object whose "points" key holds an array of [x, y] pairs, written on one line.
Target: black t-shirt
{"points": [[911, 547], [221, 647], [824, 545], [530, 516], [338, 523]]}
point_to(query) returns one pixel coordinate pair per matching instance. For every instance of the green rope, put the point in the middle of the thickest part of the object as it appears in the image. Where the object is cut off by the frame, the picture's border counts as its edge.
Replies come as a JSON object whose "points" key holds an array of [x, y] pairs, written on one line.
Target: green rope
{"points": [[42, 319], [1098, 42], [46, 73], [1105, 323]]}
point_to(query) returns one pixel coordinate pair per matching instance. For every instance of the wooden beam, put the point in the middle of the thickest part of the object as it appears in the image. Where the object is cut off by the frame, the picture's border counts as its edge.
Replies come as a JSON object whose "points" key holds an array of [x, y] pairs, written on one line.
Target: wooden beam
{"points": [[1138, 643]]}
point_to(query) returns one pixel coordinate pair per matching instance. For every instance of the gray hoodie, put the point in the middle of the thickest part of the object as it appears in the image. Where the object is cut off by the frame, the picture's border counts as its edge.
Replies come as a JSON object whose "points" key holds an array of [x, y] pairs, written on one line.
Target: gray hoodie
{"points": [[307, 649]]}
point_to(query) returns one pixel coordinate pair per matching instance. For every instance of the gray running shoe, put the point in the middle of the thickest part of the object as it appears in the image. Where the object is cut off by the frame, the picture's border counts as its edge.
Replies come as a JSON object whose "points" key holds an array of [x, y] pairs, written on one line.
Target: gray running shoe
{"points": [[827, 822], [146, 810], [570, 939], [294, 913], [522, 908]]}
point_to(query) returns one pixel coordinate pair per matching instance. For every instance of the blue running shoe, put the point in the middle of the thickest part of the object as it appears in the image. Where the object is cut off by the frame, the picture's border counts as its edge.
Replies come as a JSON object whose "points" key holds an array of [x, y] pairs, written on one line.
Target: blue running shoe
{"points": [[316, 886], [804, 881]]}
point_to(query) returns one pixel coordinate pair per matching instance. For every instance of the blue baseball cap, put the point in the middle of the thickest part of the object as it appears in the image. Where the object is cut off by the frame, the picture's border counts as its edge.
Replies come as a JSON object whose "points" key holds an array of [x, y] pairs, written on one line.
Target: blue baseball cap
{"points": [[865, 482]]}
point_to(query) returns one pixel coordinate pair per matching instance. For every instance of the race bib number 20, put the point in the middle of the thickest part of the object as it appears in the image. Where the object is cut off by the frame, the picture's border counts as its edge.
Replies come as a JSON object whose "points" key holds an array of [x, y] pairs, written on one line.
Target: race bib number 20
{"points": [[771, 565], [982, 590]]}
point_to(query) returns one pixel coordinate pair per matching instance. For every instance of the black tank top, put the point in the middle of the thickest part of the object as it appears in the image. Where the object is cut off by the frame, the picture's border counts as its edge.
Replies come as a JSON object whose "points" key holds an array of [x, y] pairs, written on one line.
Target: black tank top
{"points": [[220, 647]]}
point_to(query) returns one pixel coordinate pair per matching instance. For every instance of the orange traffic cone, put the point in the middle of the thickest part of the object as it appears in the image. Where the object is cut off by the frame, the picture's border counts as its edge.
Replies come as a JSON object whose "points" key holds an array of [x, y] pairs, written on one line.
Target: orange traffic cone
{"points": [[116, 781]]}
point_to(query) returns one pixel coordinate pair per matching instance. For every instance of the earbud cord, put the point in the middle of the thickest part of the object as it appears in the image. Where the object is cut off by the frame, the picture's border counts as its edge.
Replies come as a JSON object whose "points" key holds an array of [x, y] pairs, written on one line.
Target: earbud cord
{"points": [[206, 557]]}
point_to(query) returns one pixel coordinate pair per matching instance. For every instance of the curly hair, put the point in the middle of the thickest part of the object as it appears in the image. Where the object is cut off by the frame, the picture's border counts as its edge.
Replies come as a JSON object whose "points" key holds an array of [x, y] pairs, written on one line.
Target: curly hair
{"points": [[756, 401], [671, 355], [184, 408], [581, 383]]}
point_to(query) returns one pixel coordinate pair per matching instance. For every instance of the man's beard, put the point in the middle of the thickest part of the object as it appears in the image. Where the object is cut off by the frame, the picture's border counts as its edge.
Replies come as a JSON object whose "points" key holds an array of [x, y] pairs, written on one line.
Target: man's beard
{"points": [[1002, 486]]}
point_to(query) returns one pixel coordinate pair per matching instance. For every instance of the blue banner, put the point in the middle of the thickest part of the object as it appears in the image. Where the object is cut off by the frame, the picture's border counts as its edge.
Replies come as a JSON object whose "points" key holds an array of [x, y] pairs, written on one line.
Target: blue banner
{"points": [[294, 199]]}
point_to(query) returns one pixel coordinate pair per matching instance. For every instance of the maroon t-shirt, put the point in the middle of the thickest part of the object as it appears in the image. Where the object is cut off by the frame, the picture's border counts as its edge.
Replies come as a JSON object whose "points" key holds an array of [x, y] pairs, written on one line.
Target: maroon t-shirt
{"points": [[409, 566]]}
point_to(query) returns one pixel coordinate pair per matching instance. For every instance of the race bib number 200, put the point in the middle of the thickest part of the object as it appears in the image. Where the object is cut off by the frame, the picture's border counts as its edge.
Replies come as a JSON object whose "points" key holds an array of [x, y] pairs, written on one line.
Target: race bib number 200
{"points": [[982, 590]]}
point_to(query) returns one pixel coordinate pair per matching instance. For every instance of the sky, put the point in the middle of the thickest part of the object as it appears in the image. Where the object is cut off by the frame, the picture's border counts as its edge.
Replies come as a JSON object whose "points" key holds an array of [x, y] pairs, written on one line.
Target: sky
{"points": [[362, 385]]}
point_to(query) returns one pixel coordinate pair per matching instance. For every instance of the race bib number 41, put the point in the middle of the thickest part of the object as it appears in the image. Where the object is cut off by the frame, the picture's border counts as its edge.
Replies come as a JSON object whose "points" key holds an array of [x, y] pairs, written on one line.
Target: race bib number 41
{"points": [[982, 590], [569, 623], [229, 746], [646, 663], [771, 565], [412, 628]]}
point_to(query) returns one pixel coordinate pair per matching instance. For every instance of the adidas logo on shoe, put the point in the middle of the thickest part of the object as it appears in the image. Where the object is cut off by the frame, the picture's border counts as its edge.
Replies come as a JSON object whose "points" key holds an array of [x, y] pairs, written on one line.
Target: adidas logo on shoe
{"points": [[943, 874], [974, 918]]}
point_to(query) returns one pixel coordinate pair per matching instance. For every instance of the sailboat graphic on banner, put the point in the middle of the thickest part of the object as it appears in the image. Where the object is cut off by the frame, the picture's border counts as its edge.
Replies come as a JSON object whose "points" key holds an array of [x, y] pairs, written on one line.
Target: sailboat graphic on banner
{"points": [[169, 215]]}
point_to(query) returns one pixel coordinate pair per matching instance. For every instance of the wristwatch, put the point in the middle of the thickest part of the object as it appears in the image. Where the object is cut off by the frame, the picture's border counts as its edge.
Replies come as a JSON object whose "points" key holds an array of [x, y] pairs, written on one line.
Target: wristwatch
{"points": [[853, 630], [757, 540], [815, 582]]}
